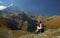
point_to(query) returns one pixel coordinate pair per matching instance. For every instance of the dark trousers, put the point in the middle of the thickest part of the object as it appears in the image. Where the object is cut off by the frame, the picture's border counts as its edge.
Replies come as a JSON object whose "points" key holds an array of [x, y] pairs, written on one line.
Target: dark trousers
{"points": [[40, 31]]}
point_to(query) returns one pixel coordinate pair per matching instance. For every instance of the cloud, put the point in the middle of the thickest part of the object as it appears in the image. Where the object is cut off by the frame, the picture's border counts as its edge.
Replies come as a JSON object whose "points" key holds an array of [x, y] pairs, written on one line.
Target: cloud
{"points": [[2, 7]]}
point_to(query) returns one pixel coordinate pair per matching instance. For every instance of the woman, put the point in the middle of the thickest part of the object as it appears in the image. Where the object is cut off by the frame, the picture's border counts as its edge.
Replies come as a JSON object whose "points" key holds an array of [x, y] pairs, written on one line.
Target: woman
{"points": [[40, 27]]}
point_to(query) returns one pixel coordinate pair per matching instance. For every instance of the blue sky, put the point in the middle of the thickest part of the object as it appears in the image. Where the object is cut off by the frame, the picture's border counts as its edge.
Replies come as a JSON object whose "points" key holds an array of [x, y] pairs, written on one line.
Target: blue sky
{"points": [[40, 7]]}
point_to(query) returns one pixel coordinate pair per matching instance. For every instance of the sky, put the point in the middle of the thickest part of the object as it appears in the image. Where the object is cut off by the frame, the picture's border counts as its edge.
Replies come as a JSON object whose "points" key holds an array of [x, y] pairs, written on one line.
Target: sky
{"points": [[39, 7]]}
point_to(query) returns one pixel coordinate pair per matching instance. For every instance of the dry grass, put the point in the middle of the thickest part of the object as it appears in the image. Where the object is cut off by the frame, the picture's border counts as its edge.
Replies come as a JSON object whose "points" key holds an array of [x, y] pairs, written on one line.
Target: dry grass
{"points": [[13, 33], [18, 33], [52, 34], [4, 34], [47, 34], [53, 23], [42, 18], [3, 24]]}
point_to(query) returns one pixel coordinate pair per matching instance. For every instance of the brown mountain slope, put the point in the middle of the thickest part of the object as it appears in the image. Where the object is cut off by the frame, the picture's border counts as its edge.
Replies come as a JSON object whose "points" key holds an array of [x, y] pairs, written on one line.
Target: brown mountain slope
{"points": [[53, 23], [3, 24]]}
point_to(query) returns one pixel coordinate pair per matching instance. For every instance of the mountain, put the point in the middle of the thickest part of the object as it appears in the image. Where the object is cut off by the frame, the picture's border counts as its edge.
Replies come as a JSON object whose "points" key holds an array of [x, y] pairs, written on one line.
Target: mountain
{"points": [[10, 9], [18, 16], [22, 27]]}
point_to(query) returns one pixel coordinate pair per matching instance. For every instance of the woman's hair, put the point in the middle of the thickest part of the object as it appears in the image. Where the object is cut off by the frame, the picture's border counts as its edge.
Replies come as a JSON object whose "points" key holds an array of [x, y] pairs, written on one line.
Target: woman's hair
{"points": [[36, 21], [40, 22]]}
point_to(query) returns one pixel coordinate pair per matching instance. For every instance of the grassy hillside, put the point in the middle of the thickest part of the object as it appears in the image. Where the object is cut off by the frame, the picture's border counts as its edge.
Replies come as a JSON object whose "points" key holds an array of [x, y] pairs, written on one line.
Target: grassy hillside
{"points": [[13, 33], [4, 34], [3, 24], [53, 22], [24, 34], [47, 34], [50, 22], [42, 18]]}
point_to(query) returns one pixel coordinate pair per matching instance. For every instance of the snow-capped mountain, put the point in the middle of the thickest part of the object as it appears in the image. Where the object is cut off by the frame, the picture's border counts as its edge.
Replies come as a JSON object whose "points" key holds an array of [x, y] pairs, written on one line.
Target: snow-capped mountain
{"points": [[8, 9]]}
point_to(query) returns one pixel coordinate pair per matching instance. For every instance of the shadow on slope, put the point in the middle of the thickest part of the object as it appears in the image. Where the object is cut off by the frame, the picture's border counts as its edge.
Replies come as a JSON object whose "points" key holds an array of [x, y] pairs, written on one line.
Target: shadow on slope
{"points": [[8, 23], [31, 26], [12, 24]]}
